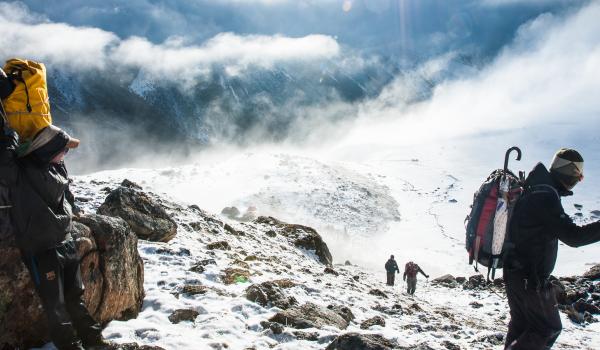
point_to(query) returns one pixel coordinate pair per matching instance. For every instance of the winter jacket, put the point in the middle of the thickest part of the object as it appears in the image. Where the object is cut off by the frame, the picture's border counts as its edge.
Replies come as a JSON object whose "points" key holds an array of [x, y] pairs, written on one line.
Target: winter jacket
{"points": [[39, 195], [411, 269], [391, 266], [538, 223]]}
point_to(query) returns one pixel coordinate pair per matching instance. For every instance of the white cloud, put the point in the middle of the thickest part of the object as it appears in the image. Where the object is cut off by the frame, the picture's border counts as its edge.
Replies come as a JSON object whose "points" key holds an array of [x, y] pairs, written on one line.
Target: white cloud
{"points": [[84, 47], [549, 75], [233, 51]]}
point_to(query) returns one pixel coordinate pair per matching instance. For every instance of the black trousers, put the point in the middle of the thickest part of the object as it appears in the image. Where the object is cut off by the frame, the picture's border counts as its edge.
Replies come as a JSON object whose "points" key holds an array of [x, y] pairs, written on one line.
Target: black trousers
{"points": [[391, 277], [57, 277], [534, 319], [411, 285]]}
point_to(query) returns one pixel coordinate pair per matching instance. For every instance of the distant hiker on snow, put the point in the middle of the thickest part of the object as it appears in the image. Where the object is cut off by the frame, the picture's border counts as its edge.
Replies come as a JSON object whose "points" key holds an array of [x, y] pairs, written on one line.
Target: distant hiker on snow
{"points": [[391, 268], [538, 223], [410, 276], [41, 207]]}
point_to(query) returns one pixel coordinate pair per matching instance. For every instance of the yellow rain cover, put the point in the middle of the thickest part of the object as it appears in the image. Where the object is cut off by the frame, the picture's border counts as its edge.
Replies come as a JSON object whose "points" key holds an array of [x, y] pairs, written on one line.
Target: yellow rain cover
{"points": [[28, 107]]}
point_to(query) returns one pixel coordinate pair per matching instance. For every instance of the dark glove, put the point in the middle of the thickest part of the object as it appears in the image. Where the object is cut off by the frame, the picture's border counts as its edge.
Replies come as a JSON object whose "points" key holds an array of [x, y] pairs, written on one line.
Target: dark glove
{"points": [[7, 86], [8, 137], [426, 276]]}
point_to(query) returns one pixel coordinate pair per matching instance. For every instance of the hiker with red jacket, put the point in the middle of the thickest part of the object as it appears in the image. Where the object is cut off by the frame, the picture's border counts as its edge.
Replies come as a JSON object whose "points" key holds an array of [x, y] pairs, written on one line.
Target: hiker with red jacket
{"points": [[410, 276], [538, 223], [391, 268], [41, 209]]}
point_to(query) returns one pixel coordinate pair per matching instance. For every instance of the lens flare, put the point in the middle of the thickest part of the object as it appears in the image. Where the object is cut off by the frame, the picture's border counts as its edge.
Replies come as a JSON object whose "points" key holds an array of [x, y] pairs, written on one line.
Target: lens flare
{"points": [[347, 6]]}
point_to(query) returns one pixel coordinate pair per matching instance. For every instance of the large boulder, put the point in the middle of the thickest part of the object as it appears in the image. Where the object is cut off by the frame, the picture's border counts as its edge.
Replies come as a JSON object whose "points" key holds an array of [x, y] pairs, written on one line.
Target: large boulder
{"points": [[115, 266], [147, 218], [269, 294], [309, 315], [301, 236], [352, 341], [446, 280], [112, 272], [373, 321], [593, 273]]}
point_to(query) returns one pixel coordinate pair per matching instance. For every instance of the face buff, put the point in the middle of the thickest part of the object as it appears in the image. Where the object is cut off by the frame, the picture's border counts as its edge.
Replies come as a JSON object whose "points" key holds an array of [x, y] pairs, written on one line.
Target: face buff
{"points": [[567, 165]]}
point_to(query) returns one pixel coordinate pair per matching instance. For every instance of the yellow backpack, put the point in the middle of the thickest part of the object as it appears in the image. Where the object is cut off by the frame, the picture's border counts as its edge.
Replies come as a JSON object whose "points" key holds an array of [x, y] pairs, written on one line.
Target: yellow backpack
{"points": [[28, 107]]}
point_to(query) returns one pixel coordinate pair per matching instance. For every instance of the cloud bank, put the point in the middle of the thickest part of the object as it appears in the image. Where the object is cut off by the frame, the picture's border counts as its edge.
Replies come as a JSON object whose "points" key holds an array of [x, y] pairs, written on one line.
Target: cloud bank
{"points": [[549, 76], [25, 34]]}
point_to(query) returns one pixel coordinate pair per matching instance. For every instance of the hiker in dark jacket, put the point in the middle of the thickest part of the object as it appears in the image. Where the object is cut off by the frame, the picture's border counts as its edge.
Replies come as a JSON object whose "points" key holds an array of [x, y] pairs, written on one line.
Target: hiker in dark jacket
{"points": [[41, 211], [391, 268], [539, 222], [410, 276]]}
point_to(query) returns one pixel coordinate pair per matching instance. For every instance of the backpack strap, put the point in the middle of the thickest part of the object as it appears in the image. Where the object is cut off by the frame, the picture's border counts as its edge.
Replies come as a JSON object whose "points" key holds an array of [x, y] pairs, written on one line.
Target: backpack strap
{"points": [[17, 75], [543, 188]]}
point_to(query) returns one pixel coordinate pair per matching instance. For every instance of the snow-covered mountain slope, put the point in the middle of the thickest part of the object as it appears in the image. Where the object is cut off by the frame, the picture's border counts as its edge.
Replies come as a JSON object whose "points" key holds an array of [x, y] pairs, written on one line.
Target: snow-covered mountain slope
{"points": [[410, 201], [435, 318]]}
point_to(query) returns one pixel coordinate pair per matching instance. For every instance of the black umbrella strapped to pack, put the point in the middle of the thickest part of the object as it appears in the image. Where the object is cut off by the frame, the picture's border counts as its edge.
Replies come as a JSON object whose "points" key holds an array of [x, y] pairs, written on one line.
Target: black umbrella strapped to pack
{"points": [[504, 207]]}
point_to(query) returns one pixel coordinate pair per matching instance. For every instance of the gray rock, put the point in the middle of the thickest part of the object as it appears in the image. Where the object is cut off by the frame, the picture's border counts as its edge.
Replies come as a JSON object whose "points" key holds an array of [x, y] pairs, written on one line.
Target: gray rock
{"points": [[182, 315], [147, 218], [301, 236], [221, 245], [593, 273], [373, 321], [355, 341], [343, 311], [446, 281], [231, 212], [310, 336], [275, 327], [309, 315], [378, 293], [269, 293]]}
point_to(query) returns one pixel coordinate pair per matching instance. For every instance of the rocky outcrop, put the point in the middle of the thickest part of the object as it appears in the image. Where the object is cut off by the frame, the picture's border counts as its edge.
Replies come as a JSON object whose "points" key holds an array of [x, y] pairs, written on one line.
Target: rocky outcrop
{"points": [[114, 273], [378, 293], [309, 315], [373, 321], [352, 341], [301, 236], [182, 315], [578, 298], [269, 294], [593, 273], [111, 269], [147, 218], [446, 281], [343, 311]]}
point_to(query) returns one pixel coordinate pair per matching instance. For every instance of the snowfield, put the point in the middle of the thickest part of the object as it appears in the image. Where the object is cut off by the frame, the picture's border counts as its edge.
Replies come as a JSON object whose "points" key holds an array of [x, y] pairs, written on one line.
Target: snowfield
{"points": [[410, 207]]}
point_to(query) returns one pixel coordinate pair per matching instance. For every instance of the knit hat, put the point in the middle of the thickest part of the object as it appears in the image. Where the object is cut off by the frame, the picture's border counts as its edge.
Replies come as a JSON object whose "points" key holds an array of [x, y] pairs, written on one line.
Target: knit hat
{"points": [[567, 167], [49, 143]]}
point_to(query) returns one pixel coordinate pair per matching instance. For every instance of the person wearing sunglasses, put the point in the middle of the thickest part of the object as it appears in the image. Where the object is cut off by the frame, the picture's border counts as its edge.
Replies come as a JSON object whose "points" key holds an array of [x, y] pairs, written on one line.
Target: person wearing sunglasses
{"points": [[538, 223]]}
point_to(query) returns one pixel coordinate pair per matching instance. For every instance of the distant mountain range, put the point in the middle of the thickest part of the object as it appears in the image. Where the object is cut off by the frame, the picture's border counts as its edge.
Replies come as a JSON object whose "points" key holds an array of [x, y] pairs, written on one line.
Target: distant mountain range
{"points": [[125, 109]]}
